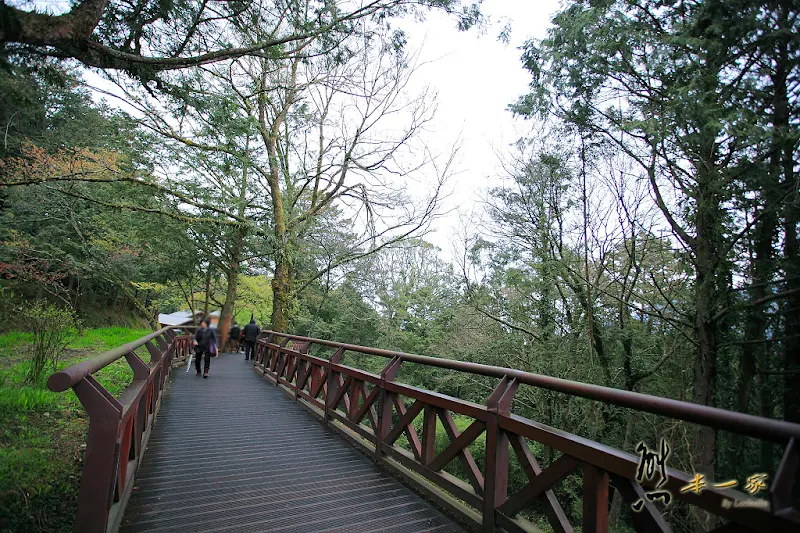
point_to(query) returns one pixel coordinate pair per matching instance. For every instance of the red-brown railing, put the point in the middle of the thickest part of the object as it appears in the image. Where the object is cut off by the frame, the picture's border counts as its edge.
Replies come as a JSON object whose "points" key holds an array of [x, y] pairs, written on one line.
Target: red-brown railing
{"points": [[373, 411], [118, 427]]}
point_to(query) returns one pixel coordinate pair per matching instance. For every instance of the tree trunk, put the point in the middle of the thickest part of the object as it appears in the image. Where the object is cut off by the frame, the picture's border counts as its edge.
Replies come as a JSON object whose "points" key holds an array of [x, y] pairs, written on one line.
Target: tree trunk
{"points": [[791, 248], [226, 316], [791, 352], [281, 294], [139, 307], [281, 279], [190, 300], [754, 328], [44, 29], [766, 410], [589, 301], [232, 274], [208, 295], [708, 251], [707, 265]]}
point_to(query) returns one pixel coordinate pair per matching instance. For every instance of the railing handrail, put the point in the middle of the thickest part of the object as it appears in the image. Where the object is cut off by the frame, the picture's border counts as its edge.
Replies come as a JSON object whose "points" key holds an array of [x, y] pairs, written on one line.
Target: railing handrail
{"points": [[119, 426], [754, 426], [66, 378]]}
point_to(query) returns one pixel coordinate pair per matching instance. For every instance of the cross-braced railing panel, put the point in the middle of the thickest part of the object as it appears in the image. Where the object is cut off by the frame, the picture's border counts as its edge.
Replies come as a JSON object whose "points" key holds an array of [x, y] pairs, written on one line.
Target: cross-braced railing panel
{"points": [[413, 431], [118, 427]]}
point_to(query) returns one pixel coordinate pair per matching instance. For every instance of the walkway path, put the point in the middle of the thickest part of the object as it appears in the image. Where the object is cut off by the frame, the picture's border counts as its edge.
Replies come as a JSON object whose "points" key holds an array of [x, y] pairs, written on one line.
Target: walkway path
{"points": [[233, 453]]}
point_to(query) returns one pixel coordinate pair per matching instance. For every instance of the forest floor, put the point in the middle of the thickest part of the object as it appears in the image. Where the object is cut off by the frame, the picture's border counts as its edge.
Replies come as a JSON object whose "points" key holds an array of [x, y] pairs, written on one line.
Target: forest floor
{"points": [[43, 433]]}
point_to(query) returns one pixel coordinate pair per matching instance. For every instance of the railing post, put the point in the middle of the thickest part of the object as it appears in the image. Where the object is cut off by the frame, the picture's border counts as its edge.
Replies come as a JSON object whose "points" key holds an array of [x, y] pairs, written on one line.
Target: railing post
{"points": [[783, 484], [155, 353], [265, 354], [162, 344], [595, 499], [98, 480], [141, 372], [333, 384], [262, 353], [496, 476], [353, 407], [428, 435], [278, 368], [300, 369], [388, 373]]}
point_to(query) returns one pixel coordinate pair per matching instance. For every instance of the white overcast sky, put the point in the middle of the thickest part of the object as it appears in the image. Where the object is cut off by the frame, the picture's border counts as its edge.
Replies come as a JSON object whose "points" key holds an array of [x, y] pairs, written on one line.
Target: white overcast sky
{"points": [[476, 77]]}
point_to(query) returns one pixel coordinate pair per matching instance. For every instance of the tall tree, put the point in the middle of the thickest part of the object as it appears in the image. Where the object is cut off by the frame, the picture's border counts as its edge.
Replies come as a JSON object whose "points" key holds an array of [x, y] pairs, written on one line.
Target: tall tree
{"points": [[314, 143], [665, 83]]}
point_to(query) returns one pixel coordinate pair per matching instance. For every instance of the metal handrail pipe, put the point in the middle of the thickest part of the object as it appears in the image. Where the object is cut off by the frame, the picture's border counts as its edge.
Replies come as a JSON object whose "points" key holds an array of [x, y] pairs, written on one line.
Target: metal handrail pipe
{"points": [[66, 378], [754, 426]]}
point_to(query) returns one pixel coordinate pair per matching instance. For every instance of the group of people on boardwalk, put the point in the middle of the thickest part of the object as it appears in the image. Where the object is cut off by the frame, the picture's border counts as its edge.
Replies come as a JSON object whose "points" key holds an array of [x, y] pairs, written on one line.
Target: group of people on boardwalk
{"points": [[206, 344], [245, 337]]}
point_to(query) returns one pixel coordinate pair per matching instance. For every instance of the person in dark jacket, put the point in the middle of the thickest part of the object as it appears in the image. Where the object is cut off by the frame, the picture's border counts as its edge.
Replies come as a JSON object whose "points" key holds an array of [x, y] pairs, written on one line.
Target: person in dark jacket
{"points": [[233, 338], [249, 334], [203, 339]]}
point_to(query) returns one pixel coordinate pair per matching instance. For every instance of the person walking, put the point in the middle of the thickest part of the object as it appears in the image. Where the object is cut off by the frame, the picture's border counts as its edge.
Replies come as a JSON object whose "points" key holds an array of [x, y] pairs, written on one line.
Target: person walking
{"points": [[205, 341], [250, 334], [233, 338]]}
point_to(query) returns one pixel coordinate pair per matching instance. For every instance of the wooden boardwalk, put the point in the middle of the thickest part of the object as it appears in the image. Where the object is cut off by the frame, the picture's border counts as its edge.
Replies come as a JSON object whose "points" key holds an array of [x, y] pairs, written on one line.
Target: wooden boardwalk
{"points": [[233, 453]]}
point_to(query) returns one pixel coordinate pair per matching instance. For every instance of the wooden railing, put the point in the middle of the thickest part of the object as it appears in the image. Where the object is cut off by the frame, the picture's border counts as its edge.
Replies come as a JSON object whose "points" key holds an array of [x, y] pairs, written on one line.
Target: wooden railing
{"points": [[118, 427], [374, 410]]}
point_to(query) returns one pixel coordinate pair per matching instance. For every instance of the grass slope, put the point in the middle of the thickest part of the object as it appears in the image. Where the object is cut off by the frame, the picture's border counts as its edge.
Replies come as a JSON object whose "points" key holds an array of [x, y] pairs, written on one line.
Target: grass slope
{"points": [[42, 433]]}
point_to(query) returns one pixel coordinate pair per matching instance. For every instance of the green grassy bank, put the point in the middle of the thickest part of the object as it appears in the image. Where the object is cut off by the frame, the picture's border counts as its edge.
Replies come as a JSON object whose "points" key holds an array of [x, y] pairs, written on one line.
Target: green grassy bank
{"points": [[42, 433]]}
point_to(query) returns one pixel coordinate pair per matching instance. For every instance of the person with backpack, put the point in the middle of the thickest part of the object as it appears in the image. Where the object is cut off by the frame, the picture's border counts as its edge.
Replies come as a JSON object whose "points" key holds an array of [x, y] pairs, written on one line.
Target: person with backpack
{"points": [[205, 343], [250, 334], [233, 338]]}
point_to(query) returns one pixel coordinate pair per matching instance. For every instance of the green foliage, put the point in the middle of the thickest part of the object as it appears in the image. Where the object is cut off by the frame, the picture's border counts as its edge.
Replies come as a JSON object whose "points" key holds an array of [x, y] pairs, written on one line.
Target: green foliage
{"points": [[254, 297], [37, 484], [340, 314], [52, 329], [44, 103], [24, 398], [102, 339], [60, 239], [13, 339], [643, 89]]}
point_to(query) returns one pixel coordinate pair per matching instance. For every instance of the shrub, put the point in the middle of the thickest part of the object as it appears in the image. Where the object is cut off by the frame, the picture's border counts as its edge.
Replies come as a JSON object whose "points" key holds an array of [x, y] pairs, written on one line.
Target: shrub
{"points": [[52, 328]]}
